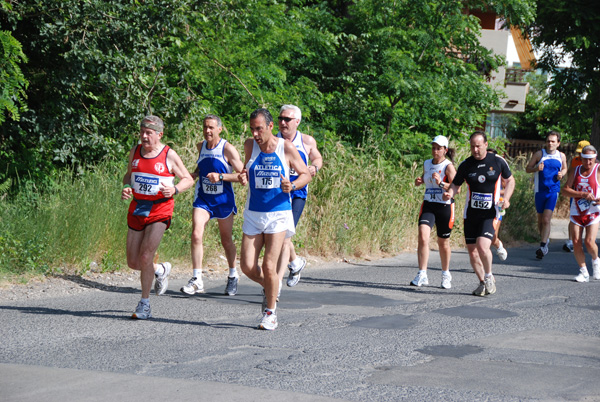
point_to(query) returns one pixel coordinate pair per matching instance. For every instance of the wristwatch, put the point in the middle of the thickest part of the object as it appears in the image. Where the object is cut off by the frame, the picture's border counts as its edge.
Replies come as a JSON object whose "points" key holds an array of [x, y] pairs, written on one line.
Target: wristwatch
{"points": [[293, 187], [221, 176], [442, 185]]}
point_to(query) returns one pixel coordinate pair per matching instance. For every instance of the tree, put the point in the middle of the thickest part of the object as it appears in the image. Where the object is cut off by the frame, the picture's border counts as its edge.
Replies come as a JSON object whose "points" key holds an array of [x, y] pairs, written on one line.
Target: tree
{"points": [[387, 74], [544, 113], [95, 69], [12, 81], [571, 29], [407, 70]]}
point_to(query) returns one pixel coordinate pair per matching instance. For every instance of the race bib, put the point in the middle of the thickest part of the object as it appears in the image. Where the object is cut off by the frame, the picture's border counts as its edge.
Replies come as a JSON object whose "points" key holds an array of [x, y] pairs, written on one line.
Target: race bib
{"points": [[482, 200], [267, 180], [147, 185], [433, 193], [211, 188], [583, 204]]}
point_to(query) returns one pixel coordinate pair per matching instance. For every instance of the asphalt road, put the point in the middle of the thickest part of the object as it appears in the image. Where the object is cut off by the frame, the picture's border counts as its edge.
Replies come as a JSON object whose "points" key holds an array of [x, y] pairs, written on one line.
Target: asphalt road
{"points": [[353, 331]]}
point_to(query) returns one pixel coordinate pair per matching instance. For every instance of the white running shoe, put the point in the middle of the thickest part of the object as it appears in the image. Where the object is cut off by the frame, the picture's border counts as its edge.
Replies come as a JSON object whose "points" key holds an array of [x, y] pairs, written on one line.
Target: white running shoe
{"points": [[583, 276], [295, 268], [490, 285], [446, 280], [502, 253], [231, 288], [568, 246], [420, 279], [596, 269], [541, 252], [294, 276], [268, 321], [162, 281], [193, 286], [480, 291], [142, 311]]}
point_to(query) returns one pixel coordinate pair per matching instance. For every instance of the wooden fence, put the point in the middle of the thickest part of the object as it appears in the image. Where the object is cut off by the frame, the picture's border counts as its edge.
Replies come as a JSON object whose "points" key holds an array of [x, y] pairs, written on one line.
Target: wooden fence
{"points": [[528, 147]]}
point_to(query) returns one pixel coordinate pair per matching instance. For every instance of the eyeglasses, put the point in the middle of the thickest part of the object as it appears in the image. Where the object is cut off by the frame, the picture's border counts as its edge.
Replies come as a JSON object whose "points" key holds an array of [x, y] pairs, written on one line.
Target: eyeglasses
{"points": [[286, 119]]}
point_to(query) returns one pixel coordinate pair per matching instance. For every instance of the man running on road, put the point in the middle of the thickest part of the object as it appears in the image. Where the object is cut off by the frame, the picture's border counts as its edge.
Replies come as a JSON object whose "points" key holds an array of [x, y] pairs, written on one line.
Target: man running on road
{"points": [[214, 199], [483, 172], [549, 166], [289, 119]]}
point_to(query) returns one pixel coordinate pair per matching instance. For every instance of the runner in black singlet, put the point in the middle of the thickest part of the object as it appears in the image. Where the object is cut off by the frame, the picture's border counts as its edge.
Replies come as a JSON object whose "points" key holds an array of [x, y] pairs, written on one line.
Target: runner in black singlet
{"points": [[483, 172]]}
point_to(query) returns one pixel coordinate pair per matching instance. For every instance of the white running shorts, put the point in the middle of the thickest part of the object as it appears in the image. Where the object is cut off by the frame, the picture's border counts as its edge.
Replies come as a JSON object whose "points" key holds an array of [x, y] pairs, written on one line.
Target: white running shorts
{"points": [[268, 222]]}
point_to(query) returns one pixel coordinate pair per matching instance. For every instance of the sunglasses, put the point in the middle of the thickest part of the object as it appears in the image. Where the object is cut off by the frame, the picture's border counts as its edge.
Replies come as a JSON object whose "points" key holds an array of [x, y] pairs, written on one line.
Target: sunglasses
{"points": [[286, 119]]}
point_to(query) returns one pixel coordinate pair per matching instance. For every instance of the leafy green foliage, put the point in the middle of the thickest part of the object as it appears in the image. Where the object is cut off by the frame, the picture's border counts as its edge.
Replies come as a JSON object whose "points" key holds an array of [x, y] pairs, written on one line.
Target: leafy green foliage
{"points": [[544, 113], [371, 72], [95, 69], [571, 29], [12, 80]]}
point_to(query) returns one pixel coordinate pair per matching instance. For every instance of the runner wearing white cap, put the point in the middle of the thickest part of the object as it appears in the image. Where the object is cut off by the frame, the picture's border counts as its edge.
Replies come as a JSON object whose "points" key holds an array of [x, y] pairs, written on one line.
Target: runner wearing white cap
{"points": [[438, 173]]}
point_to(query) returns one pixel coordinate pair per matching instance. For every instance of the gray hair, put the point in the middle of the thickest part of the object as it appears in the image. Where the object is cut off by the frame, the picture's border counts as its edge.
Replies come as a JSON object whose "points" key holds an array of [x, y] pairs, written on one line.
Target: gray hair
{"points": [[215, 118], [154, 123], [589, 148], [296, 109]]}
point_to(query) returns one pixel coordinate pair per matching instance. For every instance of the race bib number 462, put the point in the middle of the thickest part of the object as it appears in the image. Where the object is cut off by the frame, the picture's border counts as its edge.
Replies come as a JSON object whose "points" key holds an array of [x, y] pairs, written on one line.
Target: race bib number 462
{"points": [[482, 200]]}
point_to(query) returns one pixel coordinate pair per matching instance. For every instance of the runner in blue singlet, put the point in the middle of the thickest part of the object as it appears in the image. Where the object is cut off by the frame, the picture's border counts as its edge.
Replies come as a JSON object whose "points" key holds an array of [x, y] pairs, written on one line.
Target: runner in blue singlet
{"points": [[268, 215], [549, 166], [214, 199], [289, 119]]}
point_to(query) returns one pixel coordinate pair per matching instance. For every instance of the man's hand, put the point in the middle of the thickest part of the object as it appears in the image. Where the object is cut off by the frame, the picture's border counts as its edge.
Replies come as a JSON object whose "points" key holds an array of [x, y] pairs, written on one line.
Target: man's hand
{"points": [[213, 177], [167, 191], [286, 185], [243, 177], [126, 193]]}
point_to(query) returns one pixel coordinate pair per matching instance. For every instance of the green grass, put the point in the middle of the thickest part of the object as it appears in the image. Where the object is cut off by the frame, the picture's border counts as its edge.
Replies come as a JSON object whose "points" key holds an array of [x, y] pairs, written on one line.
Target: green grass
{"points": [[359, 205]]}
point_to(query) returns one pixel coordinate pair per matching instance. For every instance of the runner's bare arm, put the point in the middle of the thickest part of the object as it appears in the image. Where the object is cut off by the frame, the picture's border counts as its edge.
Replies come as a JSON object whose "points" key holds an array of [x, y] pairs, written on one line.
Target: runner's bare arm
{"points": [[533, 166], [127, 192], [180, 171]]}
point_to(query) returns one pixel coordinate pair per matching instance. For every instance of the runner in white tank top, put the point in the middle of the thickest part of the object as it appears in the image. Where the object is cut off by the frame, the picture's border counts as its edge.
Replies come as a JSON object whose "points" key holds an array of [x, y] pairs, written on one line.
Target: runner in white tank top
{"points": [[438, 173], [583, 185]]}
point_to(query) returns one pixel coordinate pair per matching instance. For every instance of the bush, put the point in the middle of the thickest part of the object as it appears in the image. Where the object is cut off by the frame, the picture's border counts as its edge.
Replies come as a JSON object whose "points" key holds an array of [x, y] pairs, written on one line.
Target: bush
{"points": [[360, 204]]}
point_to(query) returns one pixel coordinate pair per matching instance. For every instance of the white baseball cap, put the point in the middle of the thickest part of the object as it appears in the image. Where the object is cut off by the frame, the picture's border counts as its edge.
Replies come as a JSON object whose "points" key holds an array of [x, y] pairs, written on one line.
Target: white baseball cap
{"points": [[441, 141]]}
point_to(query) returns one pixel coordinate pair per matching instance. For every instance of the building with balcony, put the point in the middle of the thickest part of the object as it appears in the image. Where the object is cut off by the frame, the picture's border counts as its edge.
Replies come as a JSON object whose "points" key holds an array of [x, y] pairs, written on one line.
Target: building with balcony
{"points": [[508, 79]]}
